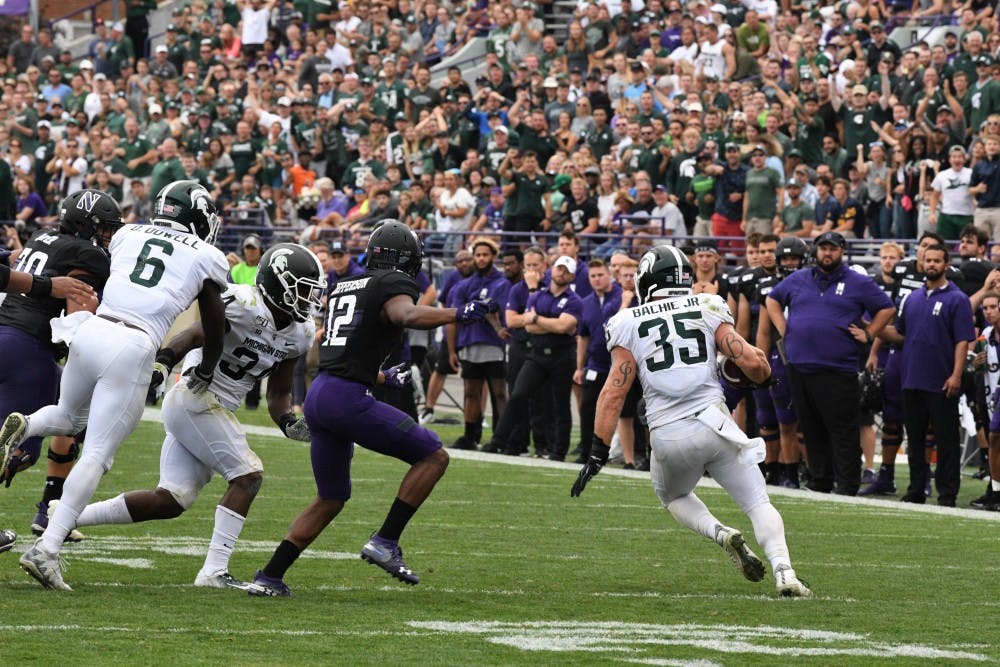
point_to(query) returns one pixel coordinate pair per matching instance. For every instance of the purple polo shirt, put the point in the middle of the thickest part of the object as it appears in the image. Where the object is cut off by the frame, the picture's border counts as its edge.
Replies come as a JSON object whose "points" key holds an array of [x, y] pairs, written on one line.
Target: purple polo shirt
{"points": [[451, 278], [933, 323], [517, 300], [820, 307], [493, 285], [547, 304], [593, 317]]}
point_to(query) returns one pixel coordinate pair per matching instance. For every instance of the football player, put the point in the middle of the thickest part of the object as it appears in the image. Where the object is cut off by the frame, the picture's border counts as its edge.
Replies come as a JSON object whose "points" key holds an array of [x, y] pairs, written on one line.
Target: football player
{"points": [[87, 221], [157, 271], [13, 281], [774, 403], [366, 317], [268, 327], [763, 277], [670, 341]]}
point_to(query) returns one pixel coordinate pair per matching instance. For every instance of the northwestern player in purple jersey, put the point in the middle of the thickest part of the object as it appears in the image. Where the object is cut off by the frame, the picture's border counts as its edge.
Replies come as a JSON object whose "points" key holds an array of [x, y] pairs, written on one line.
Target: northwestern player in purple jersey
{"points": [[890, 254], [87, 220], [775, 411], [366, 318]]}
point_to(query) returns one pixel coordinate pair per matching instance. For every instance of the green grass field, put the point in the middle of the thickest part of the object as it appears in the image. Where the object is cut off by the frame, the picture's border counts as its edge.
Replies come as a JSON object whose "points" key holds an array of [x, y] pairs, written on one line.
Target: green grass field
{"points": [[513, 572]]}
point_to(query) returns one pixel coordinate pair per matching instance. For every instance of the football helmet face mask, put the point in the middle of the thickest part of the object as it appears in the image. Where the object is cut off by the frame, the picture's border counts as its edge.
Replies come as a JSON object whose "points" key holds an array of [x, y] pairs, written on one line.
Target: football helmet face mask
{"points": [[90, 214], [187, 207], [393, 245], [292, 280], [663, 271], [791, 247]]}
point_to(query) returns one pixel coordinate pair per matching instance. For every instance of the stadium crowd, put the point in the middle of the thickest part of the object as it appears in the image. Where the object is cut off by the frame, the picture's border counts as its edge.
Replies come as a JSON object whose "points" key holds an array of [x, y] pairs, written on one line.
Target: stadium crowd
{"points": [[738, 130]]}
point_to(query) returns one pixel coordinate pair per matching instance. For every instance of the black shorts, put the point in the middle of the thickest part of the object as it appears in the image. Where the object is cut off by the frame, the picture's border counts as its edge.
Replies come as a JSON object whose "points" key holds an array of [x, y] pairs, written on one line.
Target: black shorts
{"points": [[443, 365], [490, 370]]}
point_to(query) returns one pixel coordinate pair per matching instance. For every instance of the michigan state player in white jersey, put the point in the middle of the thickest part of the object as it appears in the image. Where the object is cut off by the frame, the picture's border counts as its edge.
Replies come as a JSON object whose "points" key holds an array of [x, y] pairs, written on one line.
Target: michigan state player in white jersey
{"points": [[269, 326], [157, 271], [670, 341]]}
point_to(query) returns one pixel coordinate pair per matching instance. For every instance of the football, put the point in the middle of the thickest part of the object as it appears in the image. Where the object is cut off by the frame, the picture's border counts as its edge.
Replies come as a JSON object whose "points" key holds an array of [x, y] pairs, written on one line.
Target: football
{"points": [[734, 375]]}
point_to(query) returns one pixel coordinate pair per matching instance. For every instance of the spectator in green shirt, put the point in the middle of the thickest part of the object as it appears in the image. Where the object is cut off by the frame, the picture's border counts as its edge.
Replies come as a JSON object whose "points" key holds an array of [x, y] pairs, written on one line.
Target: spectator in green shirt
{"points": [[754, 36]]}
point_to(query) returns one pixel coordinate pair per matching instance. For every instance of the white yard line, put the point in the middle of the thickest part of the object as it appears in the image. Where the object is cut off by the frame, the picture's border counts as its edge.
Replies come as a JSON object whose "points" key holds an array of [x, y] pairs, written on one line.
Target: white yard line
{"points": [[803, 495]]}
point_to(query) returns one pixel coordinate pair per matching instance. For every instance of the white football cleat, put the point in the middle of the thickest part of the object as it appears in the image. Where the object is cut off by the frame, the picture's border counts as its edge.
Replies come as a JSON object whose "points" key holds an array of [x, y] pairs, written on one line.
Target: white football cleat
{"points": [[789, 586], [219, 580], [44, 567], [12, 434], [745, 560]]}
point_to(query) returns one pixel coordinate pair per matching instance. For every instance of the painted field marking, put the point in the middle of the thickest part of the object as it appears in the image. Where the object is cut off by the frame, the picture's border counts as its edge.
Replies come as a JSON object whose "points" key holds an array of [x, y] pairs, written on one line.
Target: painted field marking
{"points": [[616, 638], [794, 495]]}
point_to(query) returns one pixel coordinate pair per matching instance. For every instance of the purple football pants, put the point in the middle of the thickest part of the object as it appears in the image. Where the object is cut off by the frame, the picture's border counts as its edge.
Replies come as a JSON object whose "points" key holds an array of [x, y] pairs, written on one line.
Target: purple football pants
{"points": [[29, 380], [342, 412]]}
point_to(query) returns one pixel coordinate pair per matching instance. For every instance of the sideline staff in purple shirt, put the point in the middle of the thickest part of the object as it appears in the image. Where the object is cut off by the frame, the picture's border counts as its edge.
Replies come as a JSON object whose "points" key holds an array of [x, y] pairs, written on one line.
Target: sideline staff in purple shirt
{"points": [[935, 326], [825, 305]]}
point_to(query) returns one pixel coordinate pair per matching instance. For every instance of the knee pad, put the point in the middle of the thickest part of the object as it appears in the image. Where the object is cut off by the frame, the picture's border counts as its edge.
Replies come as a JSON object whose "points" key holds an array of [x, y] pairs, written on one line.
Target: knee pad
{"points": [[891, 435], [770, 437], [68, 457], [184, 497]]}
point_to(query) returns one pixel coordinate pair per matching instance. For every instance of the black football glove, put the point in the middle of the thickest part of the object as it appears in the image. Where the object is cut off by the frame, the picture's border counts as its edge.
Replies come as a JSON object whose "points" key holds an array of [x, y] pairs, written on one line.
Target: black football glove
{"points": [[599, 453], [18, 460], [157, 383]]}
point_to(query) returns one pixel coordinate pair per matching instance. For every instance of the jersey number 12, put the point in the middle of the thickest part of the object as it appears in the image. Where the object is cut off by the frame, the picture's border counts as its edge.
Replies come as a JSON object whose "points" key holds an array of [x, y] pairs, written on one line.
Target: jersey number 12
{"points": [[341, 314]]}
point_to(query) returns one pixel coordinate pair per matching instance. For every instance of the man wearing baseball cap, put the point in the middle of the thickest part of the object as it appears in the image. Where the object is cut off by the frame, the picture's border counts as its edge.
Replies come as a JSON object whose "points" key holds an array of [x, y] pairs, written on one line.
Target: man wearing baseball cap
{"points": [[551, 318], [826, 303]]}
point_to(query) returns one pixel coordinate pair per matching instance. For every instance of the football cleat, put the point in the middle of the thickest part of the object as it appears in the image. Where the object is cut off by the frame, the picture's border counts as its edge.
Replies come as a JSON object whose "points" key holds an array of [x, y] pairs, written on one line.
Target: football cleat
{"points": [[987, 498], [790, 586], [745, 560], [7, 540], [884, 484], [388, 556], [41, 522], [44, 567], [265, 586], [426, 416], [464, 442], [219, 580], [12, 434]]}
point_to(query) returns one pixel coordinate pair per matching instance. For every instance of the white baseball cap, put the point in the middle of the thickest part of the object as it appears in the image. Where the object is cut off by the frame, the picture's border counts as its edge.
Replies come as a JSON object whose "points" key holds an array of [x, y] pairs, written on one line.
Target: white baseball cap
{"points": [[155, 108], [567, 262], [284, 101], [86, 64], [162, 48]]}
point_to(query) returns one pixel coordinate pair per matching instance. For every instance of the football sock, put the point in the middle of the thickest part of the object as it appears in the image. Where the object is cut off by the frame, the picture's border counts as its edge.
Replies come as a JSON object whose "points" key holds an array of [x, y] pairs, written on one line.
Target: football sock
{"points": [[228, 525], [110, 511], [470, 430], [80, 486], [995, 484], [50, 420], [689, 511], [395, 521], [769, 529], [283, 557], [53, 489]]}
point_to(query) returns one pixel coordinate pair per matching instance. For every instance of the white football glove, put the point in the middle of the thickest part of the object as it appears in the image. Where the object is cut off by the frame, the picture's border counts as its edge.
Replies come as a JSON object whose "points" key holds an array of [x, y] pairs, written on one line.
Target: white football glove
{"points": [[198, 383], [297, 429]]}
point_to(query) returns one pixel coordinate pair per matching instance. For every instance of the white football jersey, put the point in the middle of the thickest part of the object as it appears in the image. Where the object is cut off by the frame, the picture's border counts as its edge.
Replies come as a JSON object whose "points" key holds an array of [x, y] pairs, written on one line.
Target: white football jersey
{"points": [[156, 272], [253, 345], [673, 342]]}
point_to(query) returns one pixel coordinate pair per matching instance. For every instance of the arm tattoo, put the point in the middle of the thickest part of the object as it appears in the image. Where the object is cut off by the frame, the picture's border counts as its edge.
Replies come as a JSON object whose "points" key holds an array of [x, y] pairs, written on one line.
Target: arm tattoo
{"points": [[734, 345], [624, 372]]}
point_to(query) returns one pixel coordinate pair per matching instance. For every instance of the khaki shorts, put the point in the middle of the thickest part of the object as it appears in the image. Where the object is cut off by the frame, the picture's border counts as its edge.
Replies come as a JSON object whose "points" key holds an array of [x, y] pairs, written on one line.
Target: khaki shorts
{"points": [[988, 220]]}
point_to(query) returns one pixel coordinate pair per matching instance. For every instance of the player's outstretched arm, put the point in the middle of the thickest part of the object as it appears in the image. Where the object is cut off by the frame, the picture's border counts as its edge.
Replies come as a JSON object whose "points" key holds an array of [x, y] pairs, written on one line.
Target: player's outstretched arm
{"points": [[750, 359], [402, 312], [62, 287]]}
